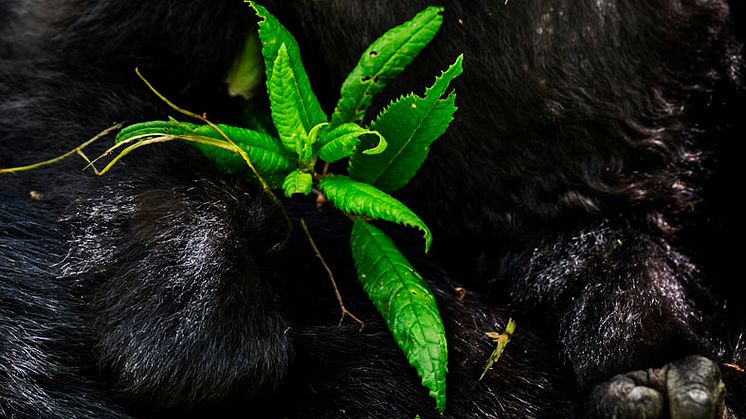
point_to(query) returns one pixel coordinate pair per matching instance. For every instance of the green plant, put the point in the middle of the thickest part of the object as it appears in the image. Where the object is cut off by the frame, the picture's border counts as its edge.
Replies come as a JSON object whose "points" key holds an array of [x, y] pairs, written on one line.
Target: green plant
{"points": [[382, 157]]}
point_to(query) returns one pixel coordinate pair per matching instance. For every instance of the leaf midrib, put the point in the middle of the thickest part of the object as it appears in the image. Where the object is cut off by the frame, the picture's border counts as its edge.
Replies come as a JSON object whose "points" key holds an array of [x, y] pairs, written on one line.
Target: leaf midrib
{"points": [[363, 97], [300, 95], [385, 256], [411, 218], [386, 63]]}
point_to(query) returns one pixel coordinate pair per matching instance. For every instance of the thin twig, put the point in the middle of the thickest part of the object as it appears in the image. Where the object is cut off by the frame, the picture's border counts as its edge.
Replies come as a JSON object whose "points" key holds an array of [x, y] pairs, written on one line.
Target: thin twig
{"points": [[131, 148], [316, 251], [77, 150], [320, 197]]}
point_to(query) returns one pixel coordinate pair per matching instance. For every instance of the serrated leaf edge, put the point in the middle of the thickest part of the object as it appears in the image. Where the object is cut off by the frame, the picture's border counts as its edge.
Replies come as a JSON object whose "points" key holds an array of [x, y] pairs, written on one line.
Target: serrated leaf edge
{"points": [[419, 225], [383, 254]]}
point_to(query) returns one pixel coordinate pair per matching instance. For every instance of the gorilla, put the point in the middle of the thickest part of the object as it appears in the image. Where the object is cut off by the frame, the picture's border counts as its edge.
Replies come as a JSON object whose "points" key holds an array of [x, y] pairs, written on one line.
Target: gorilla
{"points": [[583, 189]]}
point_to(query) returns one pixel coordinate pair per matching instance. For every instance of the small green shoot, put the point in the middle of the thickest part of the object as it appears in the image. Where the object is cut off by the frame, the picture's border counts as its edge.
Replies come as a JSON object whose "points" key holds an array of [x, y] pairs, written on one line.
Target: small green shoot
{"points": [[502, 340]]}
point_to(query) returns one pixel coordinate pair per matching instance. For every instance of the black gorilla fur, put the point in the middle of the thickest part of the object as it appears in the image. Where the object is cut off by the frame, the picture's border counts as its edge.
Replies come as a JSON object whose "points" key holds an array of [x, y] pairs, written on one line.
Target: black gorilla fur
{"points": [[585, 184]]}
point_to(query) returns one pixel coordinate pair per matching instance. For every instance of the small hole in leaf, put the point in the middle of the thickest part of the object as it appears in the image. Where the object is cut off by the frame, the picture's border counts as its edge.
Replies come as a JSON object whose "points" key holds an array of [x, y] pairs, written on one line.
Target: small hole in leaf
{"points": [[373, 53], [365, 79], [375, 80]]}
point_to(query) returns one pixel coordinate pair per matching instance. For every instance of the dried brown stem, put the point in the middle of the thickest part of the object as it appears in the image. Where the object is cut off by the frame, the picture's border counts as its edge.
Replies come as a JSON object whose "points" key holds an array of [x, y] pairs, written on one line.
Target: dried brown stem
{"points": [[316, 251]]}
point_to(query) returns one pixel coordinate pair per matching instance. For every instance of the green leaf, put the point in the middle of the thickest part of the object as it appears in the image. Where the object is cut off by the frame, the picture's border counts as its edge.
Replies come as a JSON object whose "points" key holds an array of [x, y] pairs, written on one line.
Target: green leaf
{"points": [[245, 75], [171, 127], [406, 304], [384, 59], [341, 141], [410, 125], [286, 103], [273, 36], [297, 182], [265, 152], [362, 199]]}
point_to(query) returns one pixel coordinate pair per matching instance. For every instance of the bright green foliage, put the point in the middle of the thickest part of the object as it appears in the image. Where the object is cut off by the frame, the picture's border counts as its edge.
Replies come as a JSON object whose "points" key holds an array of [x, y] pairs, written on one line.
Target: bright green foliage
{"points": [[341, 141], [382, 158], [383, 61], [171, 127], [273, 36], [297, 182], [264, 151], [410, 125], [406, 303], [286, 103], [360, 198]]}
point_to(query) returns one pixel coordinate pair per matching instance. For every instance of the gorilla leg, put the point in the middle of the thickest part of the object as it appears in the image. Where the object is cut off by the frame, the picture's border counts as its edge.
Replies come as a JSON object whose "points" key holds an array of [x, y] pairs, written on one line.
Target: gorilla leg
{"points": [[44, 369], [622, 300]]}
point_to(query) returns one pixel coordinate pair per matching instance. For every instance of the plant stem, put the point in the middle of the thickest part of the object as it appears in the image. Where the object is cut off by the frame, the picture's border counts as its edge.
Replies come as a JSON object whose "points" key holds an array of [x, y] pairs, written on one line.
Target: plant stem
{"points": [[77, 150], [316, 251]]}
